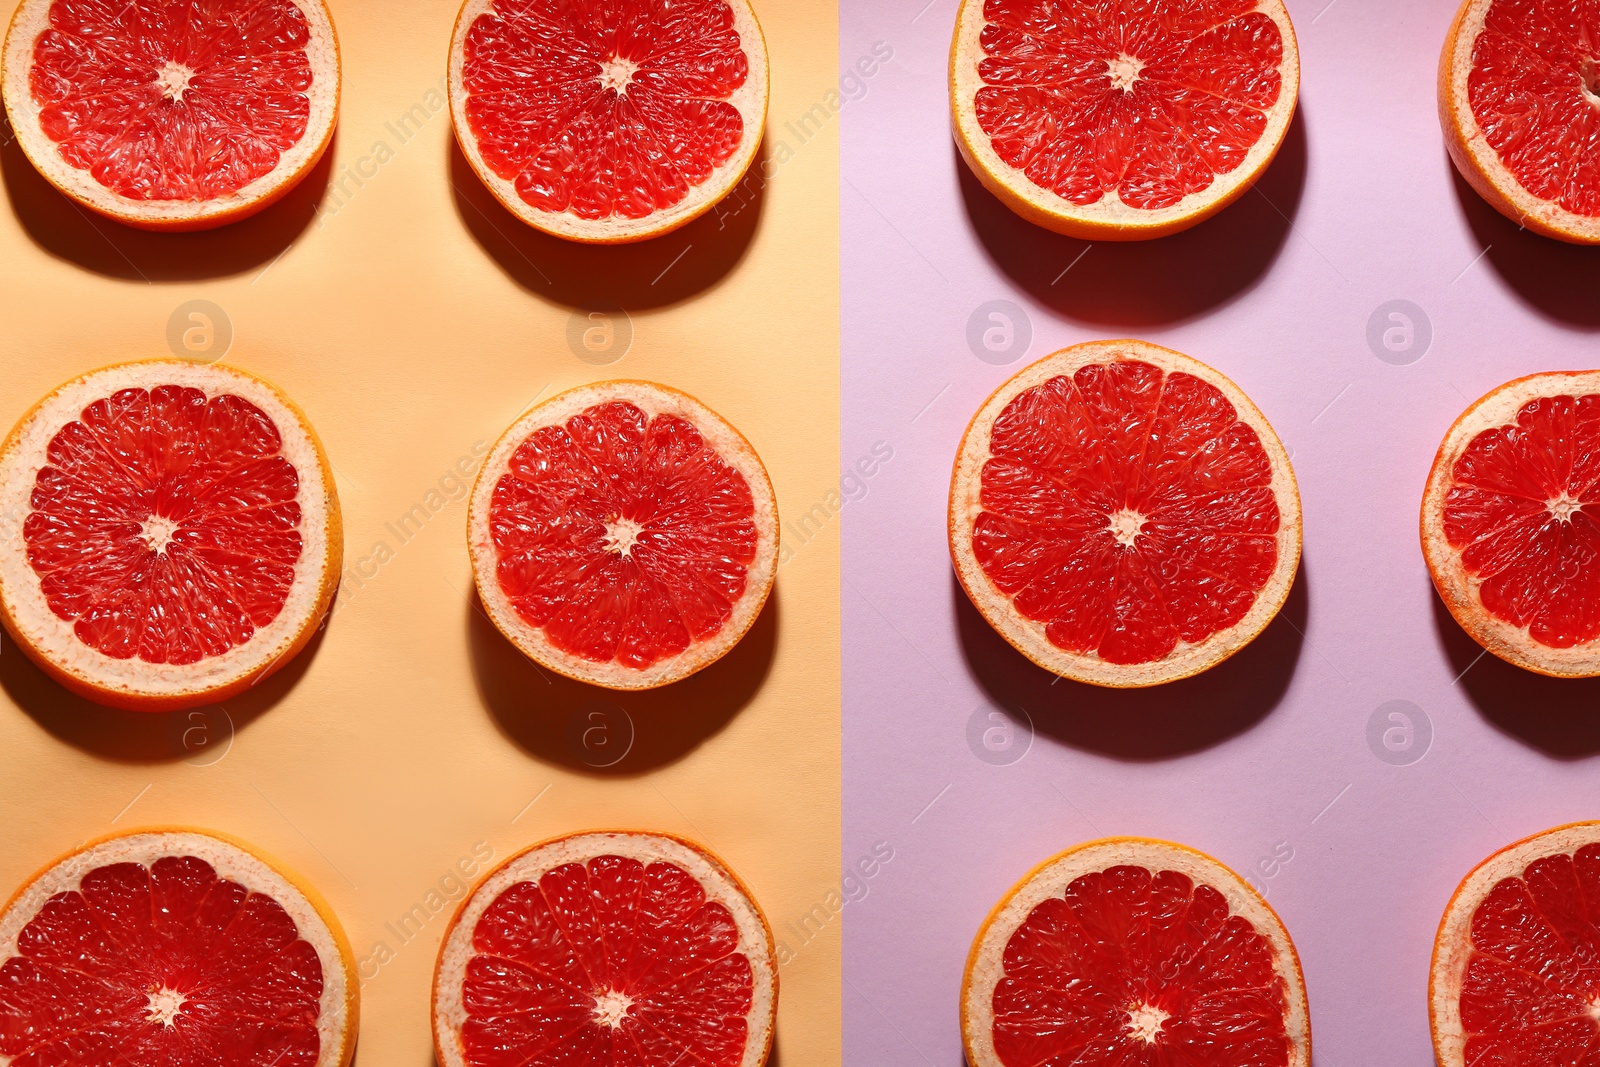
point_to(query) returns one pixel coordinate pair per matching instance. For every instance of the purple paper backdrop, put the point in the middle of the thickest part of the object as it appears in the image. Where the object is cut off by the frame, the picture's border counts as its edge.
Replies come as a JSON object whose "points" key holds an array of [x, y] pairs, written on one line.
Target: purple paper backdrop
{"points": [[1287, 762]]}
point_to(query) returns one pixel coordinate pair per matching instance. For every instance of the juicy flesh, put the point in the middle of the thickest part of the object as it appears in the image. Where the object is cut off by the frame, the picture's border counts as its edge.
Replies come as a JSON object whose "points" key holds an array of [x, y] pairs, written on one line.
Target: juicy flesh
{"points": [[605, 108], [172, 100], [1531, 990], [165, 524], [607, 962], [1139, 968], [1534, 92], [160, 966], [1521, 510], [1147, 103], [625, 538], [1126, 510]]}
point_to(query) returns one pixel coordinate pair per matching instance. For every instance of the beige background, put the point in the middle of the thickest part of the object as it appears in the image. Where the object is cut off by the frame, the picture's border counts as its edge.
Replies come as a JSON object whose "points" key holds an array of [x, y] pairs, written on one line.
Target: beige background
{"points": [[413, 319]]}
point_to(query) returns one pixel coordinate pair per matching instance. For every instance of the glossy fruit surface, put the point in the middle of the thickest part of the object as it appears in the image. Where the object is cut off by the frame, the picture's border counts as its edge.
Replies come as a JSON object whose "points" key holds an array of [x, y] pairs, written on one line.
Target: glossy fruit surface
{"points": [[1129, 951], [172, 949], [1508, 522], [1123, 514], [607, 949], [609, 122], [1519, 99], [177, 533], [1513, 977], [623, 534], [165, 114], [1121, 121]]}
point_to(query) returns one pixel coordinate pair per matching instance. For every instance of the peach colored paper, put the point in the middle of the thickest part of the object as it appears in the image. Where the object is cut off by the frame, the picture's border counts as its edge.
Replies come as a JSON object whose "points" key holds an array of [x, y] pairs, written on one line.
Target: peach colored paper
{"points": [[413, 319]]}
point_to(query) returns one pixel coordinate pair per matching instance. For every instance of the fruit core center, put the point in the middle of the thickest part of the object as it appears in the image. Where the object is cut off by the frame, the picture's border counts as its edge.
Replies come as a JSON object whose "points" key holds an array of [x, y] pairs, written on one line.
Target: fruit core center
{"points": [[1145, 1022], [173, 80], [164, 1005], [621, 536], [156, 531], [1591, 81], [1563, 507], [1126, 525], [611, 1007], [1124, 71], [617, 73]]}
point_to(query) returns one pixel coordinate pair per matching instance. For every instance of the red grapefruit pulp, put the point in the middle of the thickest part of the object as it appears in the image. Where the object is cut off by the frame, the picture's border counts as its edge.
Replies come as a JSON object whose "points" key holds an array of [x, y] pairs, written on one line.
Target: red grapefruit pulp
{"points": [[1523, 53], [1499, 515], [623, 534], [172, 949], [1519, 98], [1514, 978], [1121, 121], [179, 539], [606, 949], [178, 532], [604, 121], [1508, 522], [167, 114], [1134, 953], [1123, 514]]}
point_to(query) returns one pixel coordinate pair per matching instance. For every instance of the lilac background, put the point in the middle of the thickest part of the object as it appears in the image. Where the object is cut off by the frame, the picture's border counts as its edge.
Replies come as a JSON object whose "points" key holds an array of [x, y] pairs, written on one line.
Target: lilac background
{"points": [[1268, 754]]}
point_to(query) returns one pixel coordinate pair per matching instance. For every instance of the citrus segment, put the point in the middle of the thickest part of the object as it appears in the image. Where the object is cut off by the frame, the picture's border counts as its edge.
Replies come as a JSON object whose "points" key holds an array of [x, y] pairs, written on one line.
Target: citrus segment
{"points": [[173, 948], [623, 534], [1067, 103], [1516, 512], [1121, 122], [1120, 512], [1519, 96], [660, 530], [1122, 456], [165, 524], [167, 115], [1508, 522], [178, 532], [1514, 977], [158, 111], [608, 122], [1133, 952], [1525, 55], [606, 949], [649, 96]]}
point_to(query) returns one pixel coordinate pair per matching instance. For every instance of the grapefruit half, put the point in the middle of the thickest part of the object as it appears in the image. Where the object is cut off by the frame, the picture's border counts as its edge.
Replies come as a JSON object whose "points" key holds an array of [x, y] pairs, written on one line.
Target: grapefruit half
{"points": [[1511, 522], [161, 948], [171, 115], [1123, 515], [1519, 98], [623, 534], [1121, 122], [1513, 977], [169, 533], [607, 949], [606, 123], [1132, 951]]}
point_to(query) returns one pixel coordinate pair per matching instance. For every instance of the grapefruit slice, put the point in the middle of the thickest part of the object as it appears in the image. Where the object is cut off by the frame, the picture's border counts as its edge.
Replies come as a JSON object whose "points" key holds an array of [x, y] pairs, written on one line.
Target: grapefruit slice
{"points": [[607, 123], [623, 534], [1121, 122], [171, 115], [1514, 977], [607, 949], [1124, 515], [169, 533], [1132, 951], [173, 947], [1519, 98], [1509, 522]]}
